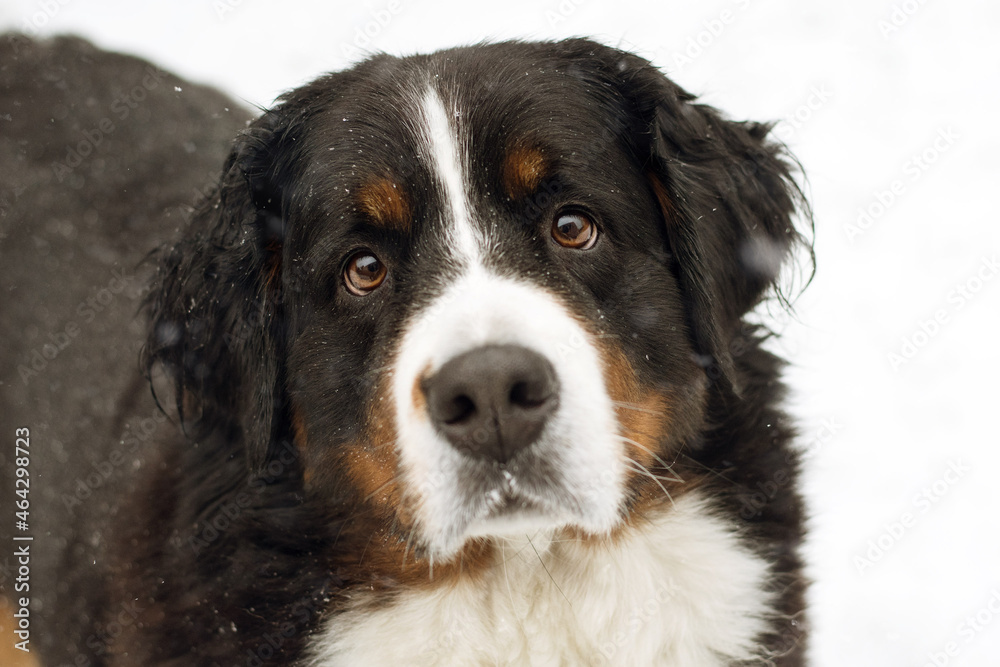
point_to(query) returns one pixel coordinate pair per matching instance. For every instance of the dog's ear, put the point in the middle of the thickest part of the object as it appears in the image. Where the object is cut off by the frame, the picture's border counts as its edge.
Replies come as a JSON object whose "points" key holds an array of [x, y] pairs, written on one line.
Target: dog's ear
{"points": [[727, 195], [215, 306]]}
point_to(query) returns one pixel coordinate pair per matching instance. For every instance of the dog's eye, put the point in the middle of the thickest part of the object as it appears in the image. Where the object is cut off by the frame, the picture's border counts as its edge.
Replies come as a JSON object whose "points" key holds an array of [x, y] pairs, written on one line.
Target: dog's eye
{"points": [[364, 273], [574, 230]]}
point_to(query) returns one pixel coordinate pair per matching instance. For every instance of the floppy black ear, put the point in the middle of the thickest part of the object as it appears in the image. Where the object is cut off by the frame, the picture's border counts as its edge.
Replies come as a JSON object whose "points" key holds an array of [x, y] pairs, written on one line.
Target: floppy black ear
{"points": [[215, 305], [727, 195]]}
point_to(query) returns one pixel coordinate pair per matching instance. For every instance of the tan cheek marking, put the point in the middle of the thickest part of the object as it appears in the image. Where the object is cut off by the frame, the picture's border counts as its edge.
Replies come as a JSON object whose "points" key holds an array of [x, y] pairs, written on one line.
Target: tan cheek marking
{"points": [[383, 524], [645, 415], [643, 412], [372, 465], [645, 419], [385, 202], [373, 462], [523, 170], [645, 422]]}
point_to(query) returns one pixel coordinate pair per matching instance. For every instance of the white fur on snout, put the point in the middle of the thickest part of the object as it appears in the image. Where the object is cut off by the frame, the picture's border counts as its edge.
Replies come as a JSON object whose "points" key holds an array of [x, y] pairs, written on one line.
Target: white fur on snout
{"points": [[580, 439]]}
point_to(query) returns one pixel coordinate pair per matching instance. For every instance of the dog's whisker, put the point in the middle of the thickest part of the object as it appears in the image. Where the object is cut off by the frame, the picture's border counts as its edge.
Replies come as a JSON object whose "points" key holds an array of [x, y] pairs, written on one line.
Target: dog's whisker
{"points": [[636, 407], [548, 573], [357, 514], [406, 547], [510, 592], [673, 478], [364, 551], [371, 495], [655, 456], [638, 467]]}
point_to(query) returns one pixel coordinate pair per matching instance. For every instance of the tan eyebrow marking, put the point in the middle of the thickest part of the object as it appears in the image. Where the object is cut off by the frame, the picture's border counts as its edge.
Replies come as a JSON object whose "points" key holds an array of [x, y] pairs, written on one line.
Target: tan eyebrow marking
{"points": [[385, 202], [523, 170]]}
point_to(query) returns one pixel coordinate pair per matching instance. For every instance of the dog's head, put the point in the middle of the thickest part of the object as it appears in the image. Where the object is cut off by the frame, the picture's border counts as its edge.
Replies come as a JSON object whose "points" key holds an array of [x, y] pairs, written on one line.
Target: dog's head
{"points": [[484, 292]]}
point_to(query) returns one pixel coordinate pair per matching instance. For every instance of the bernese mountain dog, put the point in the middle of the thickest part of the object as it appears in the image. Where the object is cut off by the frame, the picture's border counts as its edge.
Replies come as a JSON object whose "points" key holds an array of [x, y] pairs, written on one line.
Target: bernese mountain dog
{"points": [[458, 370]]}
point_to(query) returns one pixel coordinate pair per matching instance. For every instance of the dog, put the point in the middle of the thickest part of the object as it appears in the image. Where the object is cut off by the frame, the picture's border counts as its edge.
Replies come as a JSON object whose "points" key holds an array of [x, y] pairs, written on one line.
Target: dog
{"points": [[458, 370]]}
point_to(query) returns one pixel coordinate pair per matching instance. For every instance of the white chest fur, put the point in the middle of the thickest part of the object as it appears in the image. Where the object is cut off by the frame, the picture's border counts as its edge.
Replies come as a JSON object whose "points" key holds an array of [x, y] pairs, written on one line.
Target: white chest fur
{"points": [[678, 590]]}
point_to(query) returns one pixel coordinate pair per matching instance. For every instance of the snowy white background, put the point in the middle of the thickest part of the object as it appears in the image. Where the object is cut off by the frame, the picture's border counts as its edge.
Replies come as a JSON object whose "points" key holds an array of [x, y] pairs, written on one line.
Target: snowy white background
{"points": [[892, 107]]}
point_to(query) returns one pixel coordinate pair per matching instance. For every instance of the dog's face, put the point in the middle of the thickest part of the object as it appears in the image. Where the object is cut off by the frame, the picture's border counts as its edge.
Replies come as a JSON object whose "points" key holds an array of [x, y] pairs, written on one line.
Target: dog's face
{"points": [[485, 292], [489, 262]]}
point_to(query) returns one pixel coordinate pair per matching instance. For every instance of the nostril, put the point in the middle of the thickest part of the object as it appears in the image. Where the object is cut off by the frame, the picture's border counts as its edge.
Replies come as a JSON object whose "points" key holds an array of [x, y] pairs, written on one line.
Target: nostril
{"points": [[519, 394], [528, 395], [460, 409]]}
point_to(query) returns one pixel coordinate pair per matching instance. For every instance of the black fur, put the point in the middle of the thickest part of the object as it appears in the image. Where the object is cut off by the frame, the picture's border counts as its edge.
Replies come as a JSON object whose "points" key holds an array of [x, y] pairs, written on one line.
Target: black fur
{"points": [[233, 557]]}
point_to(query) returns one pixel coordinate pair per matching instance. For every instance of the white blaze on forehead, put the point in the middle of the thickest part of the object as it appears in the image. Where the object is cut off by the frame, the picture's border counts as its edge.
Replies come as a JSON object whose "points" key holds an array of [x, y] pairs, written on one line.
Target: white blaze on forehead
{"points": [[444, 148]]}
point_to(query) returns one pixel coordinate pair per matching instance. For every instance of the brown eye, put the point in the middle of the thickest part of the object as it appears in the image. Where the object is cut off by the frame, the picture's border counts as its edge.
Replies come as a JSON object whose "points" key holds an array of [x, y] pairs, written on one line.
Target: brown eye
{"points": [[574, 230], [364, 273]]}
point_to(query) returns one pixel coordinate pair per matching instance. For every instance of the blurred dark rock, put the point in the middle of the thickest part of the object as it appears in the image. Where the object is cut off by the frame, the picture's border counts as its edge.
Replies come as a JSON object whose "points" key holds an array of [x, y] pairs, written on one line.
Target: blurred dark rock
{"points": [[102, 155]]}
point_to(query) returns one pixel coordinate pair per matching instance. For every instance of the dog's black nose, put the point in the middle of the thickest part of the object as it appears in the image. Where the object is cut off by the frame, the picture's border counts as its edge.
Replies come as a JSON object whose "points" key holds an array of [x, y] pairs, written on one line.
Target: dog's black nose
{"points": [[493, 401]]}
